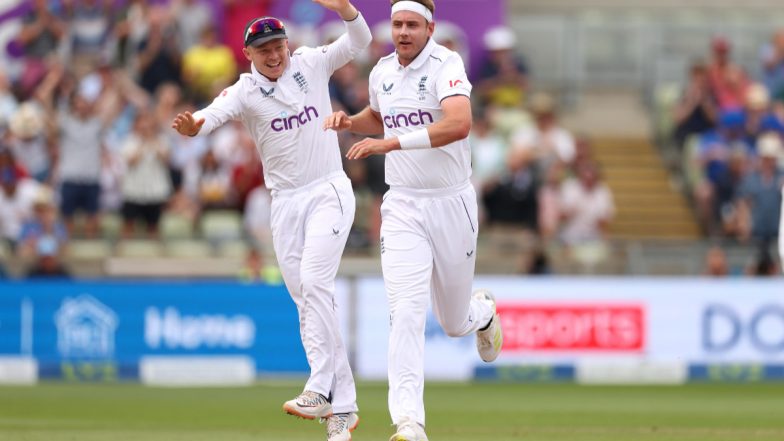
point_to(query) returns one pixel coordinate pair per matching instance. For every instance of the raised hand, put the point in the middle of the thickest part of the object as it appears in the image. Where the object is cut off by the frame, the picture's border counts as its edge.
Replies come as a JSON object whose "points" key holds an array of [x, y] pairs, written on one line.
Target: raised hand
{"points": [[186, 124], [337, 121], [342, 7]]}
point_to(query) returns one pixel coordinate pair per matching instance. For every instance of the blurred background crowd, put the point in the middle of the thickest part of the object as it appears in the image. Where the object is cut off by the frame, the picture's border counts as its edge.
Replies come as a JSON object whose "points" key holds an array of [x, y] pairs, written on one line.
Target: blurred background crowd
{"points": [[90, 168]]}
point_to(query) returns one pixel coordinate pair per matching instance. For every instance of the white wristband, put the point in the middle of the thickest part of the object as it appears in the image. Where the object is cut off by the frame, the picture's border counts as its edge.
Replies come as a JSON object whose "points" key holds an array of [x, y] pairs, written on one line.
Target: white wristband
{"points": [[418, 139]]}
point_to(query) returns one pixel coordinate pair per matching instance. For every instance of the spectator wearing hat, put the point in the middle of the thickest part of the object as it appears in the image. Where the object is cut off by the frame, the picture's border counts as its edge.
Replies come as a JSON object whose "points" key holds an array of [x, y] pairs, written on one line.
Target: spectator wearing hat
{"points": [[8, 102], [758, 114], [43, 238], [29, 143], [728, 81], [503, 79], [759, 196]]}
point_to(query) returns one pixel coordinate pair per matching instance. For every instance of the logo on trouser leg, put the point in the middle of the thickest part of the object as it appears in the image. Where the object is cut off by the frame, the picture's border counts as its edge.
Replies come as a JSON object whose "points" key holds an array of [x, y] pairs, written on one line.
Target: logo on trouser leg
{"points": [[382, 245]]}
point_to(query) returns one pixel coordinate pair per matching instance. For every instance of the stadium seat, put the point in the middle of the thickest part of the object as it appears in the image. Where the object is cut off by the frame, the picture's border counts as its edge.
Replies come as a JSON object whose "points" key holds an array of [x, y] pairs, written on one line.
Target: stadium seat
{"points": [[221, 225], [174, 226], [233, 248], [188, 249], [139, 248], [89, 249], [110, 225]]}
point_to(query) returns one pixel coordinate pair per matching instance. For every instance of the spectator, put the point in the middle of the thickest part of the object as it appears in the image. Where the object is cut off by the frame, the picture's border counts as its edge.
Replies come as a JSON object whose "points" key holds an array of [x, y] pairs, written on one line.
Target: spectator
{"points": [[781, 230], [39, 37], [759, 116], [8, 102], [208, 66], [488, 152], [716, 262], [214, 184], [146, 184], [773, 66], [549, 198], [246, 175], [503, 79], [43, 238], [586, 207], [721, 160], [79, 130], [511, 199], [192, 17], [17, 194], [697, 111], [764, 264], [89, 28], [728, 81], [759, 199], [158, 58], [28, 142], [546, 142]]}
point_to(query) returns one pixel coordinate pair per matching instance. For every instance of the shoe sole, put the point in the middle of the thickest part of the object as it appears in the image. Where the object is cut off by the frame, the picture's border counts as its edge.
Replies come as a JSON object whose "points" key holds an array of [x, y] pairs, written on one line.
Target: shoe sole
{"points": [[298, 414]]}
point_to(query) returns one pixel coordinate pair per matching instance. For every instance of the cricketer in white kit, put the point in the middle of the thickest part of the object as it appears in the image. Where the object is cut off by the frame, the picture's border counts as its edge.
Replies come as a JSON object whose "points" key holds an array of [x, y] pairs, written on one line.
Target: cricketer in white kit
{"points": [[420, 101], [283, 102]]}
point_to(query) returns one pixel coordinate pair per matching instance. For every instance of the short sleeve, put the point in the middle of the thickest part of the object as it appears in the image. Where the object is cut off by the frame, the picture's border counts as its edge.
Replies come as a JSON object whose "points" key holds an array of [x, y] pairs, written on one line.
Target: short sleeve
{"points": [[452, 79], [374, 106]]}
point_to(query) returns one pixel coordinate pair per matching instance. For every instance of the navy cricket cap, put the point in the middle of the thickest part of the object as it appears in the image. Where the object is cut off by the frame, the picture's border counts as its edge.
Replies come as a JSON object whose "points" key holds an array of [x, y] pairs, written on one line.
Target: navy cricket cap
{"points": [[261, 30]]}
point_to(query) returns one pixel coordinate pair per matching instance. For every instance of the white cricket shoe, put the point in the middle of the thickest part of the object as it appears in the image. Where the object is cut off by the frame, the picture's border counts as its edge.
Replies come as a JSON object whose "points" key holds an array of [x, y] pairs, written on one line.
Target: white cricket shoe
{"points": [[340, 426], [409, 430], [309, 405], [489, 341]]}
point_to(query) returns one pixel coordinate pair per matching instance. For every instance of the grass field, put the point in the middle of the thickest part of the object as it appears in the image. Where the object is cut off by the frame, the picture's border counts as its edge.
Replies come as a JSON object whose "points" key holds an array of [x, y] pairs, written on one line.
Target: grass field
{"points": [[456, 412]]}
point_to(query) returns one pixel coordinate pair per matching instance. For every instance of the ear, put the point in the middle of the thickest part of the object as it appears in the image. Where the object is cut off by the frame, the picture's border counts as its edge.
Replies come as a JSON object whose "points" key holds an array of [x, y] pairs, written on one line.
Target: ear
{"points": [[246, 52], [430, 28]]}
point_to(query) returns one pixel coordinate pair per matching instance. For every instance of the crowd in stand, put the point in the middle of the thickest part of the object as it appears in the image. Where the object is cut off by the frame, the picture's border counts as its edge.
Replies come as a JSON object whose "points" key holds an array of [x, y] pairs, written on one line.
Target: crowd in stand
{"points": [[730, 128], [84, 131]]}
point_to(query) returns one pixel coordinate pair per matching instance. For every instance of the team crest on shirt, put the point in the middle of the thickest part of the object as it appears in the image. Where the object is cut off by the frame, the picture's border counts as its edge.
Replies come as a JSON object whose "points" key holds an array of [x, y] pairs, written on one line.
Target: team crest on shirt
{"points": [[267, 93], [387, 89], [422, 87], [301, 82]]}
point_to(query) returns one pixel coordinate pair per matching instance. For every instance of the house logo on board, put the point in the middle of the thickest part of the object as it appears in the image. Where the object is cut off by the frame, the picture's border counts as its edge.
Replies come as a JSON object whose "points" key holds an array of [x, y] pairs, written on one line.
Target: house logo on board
{"points": [[85, 328]]}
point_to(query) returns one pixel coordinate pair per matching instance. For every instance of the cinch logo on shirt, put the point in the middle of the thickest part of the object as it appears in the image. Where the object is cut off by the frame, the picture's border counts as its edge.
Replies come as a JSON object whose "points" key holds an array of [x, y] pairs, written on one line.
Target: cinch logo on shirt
{"points": [[294, 121], [408, 120]]}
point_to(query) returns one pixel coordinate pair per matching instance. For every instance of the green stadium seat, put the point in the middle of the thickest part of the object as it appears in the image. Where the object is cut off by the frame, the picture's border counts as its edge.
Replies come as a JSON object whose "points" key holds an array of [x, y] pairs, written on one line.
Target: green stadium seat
{"points": [[174, 226], [139, 248], [188, 249], [89, 249], [233, 248], [221, 225], [110, 225]]}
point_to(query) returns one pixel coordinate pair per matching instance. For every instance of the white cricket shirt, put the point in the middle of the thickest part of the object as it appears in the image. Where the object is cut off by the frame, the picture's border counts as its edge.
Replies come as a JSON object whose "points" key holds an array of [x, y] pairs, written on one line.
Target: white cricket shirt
{"points": [[408, 99], [285, 116]]}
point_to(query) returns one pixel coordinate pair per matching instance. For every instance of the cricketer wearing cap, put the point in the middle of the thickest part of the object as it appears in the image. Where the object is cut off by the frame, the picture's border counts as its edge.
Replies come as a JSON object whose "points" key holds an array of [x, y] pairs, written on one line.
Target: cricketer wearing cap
{"points": [[420, 101], [283, 102]]}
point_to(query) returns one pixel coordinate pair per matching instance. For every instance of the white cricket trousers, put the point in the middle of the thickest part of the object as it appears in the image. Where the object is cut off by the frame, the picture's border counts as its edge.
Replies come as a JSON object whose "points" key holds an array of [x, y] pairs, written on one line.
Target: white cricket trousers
{"points": [[310, 226], [428, 252]]}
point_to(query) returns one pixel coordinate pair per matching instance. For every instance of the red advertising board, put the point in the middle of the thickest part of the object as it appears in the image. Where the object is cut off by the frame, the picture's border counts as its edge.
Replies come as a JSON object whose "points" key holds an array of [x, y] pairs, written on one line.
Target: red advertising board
{"points": [[571, 327]]}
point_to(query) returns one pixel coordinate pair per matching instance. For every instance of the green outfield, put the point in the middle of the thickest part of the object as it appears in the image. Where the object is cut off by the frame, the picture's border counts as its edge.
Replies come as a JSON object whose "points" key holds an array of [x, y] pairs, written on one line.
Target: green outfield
{"points": [[456, 412]]}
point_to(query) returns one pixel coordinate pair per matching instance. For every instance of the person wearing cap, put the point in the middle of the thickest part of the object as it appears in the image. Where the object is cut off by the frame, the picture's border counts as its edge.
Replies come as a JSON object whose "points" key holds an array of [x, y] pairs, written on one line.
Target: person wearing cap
{"points": [[420, 102], [759, 195], [283, 102]]}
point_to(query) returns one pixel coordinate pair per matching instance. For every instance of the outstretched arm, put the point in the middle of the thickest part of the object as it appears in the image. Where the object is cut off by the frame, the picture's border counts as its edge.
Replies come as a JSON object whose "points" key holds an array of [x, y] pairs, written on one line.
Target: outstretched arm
{"points": [[185, 124], [455, 126], [226, 107]]}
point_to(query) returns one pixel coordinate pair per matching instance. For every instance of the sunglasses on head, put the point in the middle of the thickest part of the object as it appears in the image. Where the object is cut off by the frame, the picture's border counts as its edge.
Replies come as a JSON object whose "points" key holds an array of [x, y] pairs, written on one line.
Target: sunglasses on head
{"points": [[264, 26]]}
